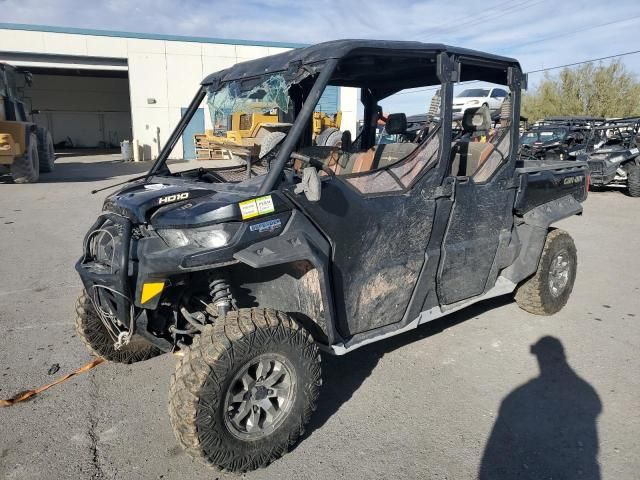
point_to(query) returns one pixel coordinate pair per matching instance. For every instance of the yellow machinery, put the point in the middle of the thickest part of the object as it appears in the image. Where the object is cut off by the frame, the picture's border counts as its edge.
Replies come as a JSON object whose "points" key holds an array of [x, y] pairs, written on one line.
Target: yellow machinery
{"points": [[323, 121], [247, 132], [25, 148], [242, 139]]}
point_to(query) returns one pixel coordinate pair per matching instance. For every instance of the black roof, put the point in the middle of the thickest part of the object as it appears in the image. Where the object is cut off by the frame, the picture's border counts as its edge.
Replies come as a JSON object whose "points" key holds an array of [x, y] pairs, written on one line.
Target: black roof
{"points": [[337, 49]]}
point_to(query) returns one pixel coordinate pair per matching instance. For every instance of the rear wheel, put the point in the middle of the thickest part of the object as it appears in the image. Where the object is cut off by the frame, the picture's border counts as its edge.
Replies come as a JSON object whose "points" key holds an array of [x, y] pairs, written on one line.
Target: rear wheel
{"points": [[46, 152], [269, 142], [633, 180], [324, 136], [95, 336], [244, 390], [26, 169], [548, 290], [334, 140]]}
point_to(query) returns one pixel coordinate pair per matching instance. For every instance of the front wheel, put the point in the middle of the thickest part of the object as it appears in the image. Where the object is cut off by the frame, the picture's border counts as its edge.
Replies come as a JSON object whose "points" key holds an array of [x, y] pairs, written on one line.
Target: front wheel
{"points": [[548, 290], [633, 180], [244, 390], [26, 168], [96, 337], [46, 152]]}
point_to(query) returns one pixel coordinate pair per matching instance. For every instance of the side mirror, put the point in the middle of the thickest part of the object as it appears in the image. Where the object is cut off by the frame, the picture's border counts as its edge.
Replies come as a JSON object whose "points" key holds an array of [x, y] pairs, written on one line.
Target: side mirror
{"points": [[310, 184]]}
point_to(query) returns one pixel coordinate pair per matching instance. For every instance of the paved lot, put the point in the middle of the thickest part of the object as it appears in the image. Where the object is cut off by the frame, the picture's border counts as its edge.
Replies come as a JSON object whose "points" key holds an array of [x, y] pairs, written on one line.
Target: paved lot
{"points": [[422, 405]]}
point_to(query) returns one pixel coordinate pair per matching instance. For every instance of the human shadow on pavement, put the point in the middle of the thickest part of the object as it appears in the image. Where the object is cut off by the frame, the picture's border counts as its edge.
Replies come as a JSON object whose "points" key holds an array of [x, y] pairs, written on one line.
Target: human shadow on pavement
{"points": [[342, 376], [546, 428]]}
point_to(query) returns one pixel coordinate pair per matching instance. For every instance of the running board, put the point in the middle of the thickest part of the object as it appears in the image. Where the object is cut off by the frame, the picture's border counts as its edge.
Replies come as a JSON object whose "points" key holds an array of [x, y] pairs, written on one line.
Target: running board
{"points": [[503, 286]]}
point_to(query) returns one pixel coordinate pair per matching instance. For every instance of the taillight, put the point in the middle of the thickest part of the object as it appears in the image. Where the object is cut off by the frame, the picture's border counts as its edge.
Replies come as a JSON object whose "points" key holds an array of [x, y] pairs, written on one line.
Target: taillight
{"points": [[588, 182]]}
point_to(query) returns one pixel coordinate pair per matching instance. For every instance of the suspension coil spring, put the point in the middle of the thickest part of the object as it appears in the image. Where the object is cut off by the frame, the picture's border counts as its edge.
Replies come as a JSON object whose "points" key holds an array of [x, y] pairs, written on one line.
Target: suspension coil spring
{"points": [[220, 294]]}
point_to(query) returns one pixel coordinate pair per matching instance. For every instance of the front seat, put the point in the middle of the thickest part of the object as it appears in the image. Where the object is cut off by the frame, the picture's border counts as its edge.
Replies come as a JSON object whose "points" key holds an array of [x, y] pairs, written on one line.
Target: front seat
{"points": [[384, 155], [468, 154]]}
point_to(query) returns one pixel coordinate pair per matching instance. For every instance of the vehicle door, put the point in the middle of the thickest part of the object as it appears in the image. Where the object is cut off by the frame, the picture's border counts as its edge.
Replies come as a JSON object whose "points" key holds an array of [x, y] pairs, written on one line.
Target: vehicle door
{"points": [[482, 171], [377, 211]]}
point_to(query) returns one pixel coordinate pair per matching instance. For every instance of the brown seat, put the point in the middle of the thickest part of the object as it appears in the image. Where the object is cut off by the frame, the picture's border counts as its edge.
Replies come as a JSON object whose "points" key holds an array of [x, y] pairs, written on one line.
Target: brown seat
{"points": [[467, 155], [382, 156], [363, 162]]}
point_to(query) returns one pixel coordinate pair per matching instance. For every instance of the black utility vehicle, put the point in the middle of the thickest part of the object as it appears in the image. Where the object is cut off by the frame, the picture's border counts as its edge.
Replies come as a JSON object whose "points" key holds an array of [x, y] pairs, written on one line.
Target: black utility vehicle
{"points": [[613, 155], [557, 138], [331, 249]]}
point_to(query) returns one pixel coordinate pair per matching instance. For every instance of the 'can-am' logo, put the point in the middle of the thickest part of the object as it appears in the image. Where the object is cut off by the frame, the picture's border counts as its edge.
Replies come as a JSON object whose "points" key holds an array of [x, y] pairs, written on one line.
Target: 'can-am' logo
{"points": [[173, 198]]}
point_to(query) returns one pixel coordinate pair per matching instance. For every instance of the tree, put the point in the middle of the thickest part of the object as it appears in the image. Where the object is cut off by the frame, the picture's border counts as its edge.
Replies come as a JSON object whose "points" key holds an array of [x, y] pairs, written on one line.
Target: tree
{"points": [[595, 90]]}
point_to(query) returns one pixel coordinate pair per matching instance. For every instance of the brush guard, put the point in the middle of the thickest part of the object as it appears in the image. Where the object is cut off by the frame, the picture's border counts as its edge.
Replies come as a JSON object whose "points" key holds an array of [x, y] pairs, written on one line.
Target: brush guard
{"points": [[104, 270]]}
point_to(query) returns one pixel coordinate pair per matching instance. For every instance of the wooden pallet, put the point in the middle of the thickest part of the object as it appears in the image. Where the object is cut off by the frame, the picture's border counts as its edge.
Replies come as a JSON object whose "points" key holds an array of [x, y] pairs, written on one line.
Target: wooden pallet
{"points": [[213, 154], [209, 147]]}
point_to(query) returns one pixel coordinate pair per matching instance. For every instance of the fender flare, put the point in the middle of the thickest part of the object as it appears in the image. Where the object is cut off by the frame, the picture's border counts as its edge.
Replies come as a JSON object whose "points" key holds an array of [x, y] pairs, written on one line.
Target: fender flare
{"points": [[300, 240], [532, 232]]}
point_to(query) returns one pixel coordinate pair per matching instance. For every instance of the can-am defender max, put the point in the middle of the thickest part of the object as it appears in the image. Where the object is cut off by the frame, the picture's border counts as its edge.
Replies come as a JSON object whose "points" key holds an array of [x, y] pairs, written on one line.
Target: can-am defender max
{"points": [[613, 155], [557, 138], [331, 249]]}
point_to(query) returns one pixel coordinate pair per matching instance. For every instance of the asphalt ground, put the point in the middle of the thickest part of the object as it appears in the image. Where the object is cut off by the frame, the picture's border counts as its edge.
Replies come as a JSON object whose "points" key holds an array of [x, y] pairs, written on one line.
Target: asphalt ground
{"points": [[461, 397]]}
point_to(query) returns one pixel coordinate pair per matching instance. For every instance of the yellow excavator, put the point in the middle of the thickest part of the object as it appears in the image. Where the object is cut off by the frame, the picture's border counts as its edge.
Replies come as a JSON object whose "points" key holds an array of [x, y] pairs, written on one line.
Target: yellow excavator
{"points": [[25, 148]]}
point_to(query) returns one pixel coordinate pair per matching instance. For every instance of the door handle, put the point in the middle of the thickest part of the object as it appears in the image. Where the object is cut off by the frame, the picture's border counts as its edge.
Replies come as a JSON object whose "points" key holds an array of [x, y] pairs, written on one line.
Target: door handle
{"points": [[447, 189], [511, 184]]}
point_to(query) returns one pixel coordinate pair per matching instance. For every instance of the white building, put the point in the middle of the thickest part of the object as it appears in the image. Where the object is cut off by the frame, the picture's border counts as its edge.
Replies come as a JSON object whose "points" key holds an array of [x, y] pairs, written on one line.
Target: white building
{"points": [[95, 88]]}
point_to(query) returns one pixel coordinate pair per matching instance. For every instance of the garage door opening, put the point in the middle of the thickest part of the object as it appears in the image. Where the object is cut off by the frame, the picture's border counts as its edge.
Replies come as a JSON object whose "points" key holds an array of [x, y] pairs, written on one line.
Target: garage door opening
{"points": [[83, 109]]}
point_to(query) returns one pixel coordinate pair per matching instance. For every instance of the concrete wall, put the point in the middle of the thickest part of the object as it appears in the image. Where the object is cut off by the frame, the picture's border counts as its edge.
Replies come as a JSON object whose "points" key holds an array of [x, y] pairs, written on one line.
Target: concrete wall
{"points": [[91, 111], [163, 74], [349, 98]]}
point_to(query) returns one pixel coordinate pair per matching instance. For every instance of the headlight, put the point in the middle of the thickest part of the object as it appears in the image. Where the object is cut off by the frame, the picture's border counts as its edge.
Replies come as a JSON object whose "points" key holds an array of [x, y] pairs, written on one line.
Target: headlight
{"points": [[214, 236], [616, 158], [474, 102]]}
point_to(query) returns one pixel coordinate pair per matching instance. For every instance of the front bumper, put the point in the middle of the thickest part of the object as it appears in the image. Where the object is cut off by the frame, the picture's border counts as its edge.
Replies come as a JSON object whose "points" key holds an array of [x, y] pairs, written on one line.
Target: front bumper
{"points": [[139, 270], [104, 267], [108, 269]]}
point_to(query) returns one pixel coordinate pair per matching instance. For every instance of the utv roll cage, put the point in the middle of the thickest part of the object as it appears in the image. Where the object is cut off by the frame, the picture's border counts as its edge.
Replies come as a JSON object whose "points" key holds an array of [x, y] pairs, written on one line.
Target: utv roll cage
{"points": [[570, 121], [622, 131], [359, 63]]}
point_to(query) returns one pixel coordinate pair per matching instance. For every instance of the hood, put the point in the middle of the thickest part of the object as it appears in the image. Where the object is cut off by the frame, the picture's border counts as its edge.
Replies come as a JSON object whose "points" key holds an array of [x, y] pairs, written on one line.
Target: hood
{"points": [[613, 154], [176, 201], [466, 100]]}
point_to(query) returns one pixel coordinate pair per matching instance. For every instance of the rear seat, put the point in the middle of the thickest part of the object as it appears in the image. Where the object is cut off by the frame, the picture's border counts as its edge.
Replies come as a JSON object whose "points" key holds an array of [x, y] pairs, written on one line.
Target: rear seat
{"points": [[468, 155]]}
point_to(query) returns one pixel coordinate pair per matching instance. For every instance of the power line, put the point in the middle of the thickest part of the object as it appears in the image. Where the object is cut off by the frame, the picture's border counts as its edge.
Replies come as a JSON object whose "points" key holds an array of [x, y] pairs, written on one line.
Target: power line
{"points": [[438, 29], [572, 32], [584, 61], [535, 71], [513, 8]]}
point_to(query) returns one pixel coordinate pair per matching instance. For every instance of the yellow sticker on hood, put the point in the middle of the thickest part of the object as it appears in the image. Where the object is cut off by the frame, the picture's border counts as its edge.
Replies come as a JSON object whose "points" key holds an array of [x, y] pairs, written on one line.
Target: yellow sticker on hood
{"points": [[256, 206]]}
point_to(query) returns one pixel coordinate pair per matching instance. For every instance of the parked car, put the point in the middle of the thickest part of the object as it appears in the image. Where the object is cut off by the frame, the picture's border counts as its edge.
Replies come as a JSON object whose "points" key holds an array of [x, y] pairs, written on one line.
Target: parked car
{"points": [[476, 97]]}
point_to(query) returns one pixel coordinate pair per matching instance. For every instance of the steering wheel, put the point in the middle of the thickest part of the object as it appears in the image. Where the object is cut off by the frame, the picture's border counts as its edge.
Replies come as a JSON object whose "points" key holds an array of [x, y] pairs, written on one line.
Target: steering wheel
{"points": [[312, 161]]}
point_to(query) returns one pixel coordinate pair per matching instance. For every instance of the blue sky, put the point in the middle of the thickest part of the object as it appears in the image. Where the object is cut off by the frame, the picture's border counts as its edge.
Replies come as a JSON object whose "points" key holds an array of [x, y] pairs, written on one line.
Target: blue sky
{"points": [[540, 33], [534, 31]]}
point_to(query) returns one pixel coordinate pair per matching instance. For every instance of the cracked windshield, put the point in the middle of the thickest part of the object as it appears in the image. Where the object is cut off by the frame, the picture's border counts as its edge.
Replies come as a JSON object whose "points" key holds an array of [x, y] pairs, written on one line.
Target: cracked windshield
{"points": [[245, 120]]}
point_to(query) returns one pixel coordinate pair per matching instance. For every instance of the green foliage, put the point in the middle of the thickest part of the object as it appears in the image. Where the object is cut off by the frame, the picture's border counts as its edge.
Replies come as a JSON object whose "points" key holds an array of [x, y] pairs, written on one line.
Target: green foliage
{"points": [[596, 90]]}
